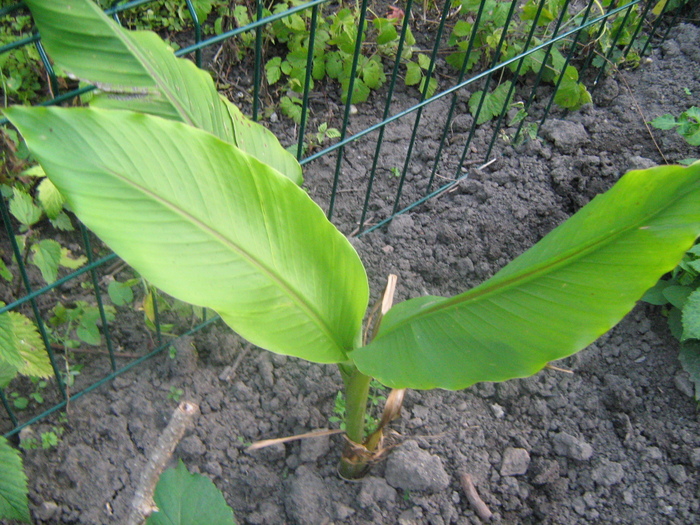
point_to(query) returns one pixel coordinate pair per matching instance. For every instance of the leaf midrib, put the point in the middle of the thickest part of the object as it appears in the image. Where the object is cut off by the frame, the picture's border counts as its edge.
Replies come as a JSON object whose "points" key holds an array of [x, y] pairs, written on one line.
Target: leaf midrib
{"points": [[253, 261]]}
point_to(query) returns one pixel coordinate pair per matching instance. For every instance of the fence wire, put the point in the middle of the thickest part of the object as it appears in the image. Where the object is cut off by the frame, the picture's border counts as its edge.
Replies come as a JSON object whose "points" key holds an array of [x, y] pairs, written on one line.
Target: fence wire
{"points": [[554, 42]]}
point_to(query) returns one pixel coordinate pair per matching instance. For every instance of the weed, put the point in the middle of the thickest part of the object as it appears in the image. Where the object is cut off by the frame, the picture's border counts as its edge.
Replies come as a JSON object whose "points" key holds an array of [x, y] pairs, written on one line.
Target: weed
{"points": [[687, 125], [175, 393]]}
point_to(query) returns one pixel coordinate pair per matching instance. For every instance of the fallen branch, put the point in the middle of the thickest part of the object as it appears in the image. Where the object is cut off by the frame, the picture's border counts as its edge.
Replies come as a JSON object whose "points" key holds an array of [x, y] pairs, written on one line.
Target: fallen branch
{"points": [[475, 500], [143, 505]]}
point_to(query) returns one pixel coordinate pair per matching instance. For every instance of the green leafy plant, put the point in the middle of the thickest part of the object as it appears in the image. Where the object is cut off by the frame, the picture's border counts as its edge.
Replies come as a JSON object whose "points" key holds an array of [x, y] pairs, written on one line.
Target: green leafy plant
{"points": [[221, 222], [175, 393], [485, 37], [687, 125], [679, 295], [188, 499], [21, 70]]}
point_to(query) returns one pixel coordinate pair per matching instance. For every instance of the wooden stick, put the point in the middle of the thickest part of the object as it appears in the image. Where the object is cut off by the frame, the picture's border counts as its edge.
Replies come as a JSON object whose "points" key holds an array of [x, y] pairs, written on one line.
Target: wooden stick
{"points": [[475, 500], [143, 505], [269, 442]]}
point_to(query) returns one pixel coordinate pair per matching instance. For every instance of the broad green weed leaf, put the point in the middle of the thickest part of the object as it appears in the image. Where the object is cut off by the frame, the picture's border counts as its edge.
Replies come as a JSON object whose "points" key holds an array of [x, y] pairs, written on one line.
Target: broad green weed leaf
{"points": [[49, 197], [188, 499], [655, 294], [136, 70], [413, 74], [46, 255], [677, 294], [120, 293], [237, 238], [9, 347], [14, 504], [691, 316], [553, 300], [22, 207], [664, 122], [5, 272]]}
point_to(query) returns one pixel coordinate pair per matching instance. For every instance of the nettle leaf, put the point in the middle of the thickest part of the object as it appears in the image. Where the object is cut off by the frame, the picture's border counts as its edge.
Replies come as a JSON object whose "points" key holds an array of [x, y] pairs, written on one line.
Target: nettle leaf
{"points": [[21, 347], [493, 102], [14, 503], [413, 74], [553, 300], [120, 293], [50, 198], [691, 316], [31, 347], [161, 194], [273, 71], [23, 209], [571, 94], [62, 222], [46, 255], [136, 70], [188, 499]]}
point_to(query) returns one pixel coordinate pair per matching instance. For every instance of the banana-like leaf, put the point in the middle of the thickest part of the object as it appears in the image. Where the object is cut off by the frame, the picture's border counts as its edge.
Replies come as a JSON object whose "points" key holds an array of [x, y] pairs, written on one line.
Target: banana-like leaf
{"points": [[136, 70], [552, 301], [206, 223]]}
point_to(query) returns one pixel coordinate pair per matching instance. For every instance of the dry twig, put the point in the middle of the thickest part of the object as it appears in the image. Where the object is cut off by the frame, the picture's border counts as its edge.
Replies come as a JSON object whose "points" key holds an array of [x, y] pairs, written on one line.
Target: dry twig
{"points": [[143, 505]]}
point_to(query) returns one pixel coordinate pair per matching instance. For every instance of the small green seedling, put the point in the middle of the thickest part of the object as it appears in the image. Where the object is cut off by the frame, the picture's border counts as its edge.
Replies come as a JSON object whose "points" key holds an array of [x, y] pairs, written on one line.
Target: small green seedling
{"points": [[687, 125], [256, 249], [175, 393]]}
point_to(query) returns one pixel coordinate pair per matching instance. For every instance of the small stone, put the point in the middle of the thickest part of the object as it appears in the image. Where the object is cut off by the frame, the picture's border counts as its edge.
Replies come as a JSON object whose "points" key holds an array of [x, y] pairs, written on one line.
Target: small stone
{"points": [[684, 384], [628, 498], [412, 468], [343, 512], [695, 457], [571, 447], [47, 511], [376, 490], [652, 453], [608, 473], [388, 249], [678, 474], [515, 462], [498, 411]]}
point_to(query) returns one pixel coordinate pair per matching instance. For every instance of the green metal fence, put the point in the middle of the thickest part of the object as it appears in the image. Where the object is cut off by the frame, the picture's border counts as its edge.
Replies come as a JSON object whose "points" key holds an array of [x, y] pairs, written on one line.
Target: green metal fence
{"points": [[490, 45]]}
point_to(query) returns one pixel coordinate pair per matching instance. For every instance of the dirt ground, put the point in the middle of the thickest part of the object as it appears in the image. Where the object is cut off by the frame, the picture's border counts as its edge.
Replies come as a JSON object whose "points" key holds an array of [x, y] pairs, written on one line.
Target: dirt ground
{"points": [[616, 441]]}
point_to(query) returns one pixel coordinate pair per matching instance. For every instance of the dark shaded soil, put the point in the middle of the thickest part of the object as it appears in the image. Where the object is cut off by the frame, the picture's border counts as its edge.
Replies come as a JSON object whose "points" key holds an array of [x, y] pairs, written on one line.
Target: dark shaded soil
{"points": [[616, 441]]}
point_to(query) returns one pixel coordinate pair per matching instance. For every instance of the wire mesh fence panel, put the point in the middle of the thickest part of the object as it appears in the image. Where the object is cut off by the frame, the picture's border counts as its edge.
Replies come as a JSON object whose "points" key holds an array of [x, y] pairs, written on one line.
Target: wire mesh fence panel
{"points": [[322, 76]]}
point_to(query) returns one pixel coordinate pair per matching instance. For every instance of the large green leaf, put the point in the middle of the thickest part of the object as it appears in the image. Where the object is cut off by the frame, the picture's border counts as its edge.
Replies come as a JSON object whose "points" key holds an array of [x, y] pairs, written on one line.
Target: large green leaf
{"points": [[553, 300], [136, 70], [14, 503], [189, 499], [208, 224]]}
